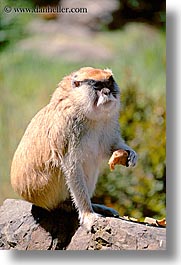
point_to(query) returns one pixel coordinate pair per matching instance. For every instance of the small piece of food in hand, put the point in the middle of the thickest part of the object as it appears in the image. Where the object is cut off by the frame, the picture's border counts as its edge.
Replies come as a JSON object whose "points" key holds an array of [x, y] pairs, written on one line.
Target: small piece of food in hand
{"points": [[118, 157]]}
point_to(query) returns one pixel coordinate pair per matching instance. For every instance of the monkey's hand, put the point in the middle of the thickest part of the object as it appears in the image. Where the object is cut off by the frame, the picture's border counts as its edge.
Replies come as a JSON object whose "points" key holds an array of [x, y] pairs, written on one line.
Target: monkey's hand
{"points": [[123, 157], [132, 158]]}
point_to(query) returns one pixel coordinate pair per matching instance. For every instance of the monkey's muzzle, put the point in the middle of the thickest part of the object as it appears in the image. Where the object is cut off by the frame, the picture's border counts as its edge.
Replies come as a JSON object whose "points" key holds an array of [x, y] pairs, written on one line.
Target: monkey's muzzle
{"points": [[105, 96]]}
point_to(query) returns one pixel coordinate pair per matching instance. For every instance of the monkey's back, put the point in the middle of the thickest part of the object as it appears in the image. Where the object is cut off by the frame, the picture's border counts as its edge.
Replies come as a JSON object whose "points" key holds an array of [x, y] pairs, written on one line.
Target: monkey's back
{"points": [[35, 170]]}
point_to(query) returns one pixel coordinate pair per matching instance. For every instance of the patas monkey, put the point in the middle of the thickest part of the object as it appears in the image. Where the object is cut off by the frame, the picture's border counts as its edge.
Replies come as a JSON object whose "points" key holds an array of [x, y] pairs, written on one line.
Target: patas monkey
{"points": [[59, 155]]}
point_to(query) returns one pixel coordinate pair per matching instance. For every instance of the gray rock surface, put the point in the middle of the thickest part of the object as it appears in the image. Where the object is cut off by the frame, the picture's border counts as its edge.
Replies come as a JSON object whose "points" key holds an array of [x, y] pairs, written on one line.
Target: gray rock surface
{"points": [[24, 226]]}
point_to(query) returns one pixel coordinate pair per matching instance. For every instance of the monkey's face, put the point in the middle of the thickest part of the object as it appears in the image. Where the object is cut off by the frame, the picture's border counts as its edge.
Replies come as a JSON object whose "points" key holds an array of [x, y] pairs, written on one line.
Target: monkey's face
{"points": [[97, 91]]}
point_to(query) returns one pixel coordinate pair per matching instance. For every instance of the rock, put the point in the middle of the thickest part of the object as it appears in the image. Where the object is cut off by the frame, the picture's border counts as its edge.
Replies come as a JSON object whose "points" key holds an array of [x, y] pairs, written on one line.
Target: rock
{"points": [[24, 226]]}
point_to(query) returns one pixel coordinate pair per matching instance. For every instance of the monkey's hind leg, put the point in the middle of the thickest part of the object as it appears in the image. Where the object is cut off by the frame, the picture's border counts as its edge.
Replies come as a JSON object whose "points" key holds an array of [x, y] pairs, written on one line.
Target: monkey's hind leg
{"points": [[104, 210]]}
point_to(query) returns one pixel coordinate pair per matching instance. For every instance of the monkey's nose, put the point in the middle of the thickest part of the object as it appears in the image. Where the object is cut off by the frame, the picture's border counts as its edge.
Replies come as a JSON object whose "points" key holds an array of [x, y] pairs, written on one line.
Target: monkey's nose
{"points": [[105, 91]]}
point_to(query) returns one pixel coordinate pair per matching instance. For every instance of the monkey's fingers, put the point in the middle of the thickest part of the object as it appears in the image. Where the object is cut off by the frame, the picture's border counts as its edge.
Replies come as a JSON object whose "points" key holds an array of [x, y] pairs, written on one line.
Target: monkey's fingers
{"points": [[118, 157]]}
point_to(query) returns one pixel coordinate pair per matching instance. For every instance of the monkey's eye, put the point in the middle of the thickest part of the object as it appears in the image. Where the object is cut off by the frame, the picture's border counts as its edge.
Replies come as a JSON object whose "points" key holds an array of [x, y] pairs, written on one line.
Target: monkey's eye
{"points": [[98, 85], [90, 82]]}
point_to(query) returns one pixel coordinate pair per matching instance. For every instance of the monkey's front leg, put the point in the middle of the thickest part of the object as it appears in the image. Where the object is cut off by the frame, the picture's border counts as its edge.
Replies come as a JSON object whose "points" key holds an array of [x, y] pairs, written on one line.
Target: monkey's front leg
{"points": [[76, 183]]}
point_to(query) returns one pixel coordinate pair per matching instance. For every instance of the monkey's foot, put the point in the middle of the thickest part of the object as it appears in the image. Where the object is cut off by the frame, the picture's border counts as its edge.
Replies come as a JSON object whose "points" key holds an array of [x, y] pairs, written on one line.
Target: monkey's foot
{"points": [[105, 211], [88, 220]]}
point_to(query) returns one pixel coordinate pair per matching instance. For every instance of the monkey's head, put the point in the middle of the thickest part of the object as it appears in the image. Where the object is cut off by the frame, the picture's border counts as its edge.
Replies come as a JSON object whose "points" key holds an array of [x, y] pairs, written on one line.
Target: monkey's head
{"points": [[94, 91]]}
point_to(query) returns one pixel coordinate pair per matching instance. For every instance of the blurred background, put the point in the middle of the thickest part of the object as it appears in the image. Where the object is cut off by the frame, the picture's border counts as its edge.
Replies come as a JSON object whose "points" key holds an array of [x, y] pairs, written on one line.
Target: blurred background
{"points": [[128, 36]]}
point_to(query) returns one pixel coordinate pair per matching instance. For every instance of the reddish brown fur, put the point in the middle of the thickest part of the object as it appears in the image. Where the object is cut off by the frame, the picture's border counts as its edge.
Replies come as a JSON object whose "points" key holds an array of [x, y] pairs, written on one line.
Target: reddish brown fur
{"points": [[92, 73]]}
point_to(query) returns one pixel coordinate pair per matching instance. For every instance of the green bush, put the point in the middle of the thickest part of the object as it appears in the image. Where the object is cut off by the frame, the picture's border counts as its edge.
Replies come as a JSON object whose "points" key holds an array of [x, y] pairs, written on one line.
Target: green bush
{"points": [[12, 25], [139, 191]]}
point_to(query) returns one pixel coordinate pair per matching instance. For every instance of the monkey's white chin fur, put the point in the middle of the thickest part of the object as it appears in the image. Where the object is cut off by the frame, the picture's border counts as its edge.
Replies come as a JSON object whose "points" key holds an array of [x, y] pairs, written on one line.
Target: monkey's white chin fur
{"points": [[105, 99]]}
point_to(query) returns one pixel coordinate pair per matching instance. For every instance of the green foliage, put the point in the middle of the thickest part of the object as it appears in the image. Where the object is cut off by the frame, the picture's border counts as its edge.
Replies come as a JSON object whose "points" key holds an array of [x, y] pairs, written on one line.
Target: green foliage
{"points": [[12, 24], [139, 191], [140, 55]]}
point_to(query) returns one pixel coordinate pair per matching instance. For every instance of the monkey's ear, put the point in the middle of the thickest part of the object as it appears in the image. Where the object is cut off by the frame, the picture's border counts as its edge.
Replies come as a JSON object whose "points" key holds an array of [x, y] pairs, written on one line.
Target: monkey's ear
{"points": [[76, 83]]}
